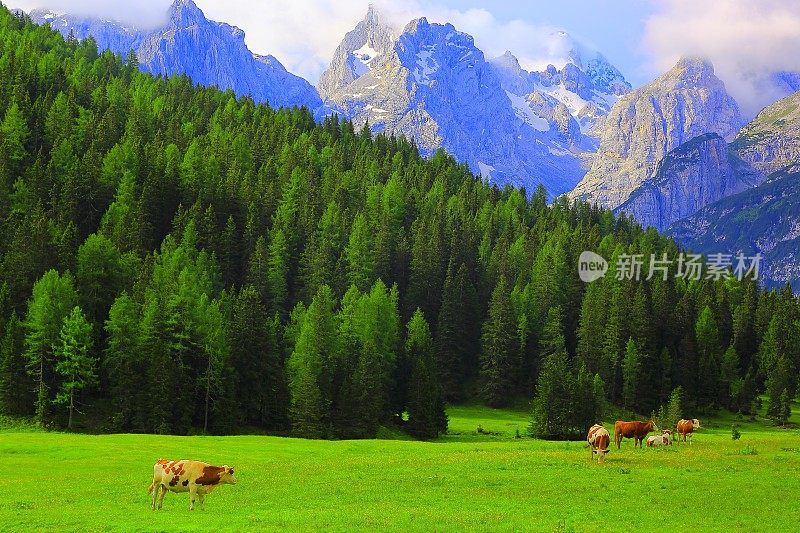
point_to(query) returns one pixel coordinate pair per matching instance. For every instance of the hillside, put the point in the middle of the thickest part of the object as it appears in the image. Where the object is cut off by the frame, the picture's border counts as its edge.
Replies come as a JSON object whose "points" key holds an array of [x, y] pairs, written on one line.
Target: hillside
{"points": [[177, 260]]}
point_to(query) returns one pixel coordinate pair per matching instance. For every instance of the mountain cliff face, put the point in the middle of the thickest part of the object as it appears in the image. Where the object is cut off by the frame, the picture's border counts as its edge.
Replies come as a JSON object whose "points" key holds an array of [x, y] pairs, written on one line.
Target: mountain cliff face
{"points": [[211, 53], [645, 124], [690, 177], [771, 141], [764, 219], [363, 48], [431, 83]]}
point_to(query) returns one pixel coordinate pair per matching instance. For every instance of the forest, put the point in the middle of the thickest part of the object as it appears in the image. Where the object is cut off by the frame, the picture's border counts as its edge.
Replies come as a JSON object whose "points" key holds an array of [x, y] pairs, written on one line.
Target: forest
{"points": [[177, 260]]}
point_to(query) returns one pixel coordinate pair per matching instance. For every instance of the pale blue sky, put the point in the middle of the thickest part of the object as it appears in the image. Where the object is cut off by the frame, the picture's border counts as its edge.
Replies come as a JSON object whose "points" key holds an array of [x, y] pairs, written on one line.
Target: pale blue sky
{"points": [[614, 27]]}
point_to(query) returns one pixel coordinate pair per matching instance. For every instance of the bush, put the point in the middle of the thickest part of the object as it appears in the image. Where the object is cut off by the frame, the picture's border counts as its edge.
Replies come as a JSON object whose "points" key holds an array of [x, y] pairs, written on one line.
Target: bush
{"points": [[735, 433]]}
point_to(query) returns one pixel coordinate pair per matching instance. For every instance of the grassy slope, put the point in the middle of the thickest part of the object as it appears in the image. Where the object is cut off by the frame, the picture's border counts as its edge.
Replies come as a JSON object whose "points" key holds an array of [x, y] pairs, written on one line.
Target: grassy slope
{"points": [[53, 481]]}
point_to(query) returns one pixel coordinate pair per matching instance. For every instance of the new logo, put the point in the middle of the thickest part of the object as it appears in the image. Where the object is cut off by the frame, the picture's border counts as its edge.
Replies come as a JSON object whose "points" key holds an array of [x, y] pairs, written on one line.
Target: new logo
{"points": [[591, 267]]}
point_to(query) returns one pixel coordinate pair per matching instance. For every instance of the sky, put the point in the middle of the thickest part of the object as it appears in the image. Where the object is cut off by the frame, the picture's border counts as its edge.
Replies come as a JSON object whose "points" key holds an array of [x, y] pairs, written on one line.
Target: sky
{"points": [[745, 40]]}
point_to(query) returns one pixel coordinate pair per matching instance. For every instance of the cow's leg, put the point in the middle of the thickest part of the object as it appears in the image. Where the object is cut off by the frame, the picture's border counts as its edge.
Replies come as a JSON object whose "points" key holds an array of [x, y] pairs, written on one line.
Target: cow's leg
{"points": [[202, 500], [192, 494], [155, 488], [163, 490]]}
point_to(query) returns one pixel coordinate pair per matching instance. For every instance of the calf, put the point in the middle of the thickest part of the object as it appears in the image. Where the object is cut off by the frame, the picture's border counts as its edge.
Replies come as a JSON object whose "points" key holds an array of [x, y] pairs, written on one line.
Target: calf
{"points": [[686, 428], [665, 439], [598, 439], [193, 477]]}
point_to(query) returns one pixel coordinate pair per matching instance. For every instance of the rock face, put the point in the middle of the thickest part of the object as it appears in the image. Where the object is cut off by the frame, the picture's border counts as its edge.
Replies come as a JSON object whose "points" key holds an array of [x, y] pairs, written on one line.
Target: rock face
{"points": [[211, 53], [771, 141], [363, 48], [645, 124], [432, 84], [764, 219], [690, 177]]}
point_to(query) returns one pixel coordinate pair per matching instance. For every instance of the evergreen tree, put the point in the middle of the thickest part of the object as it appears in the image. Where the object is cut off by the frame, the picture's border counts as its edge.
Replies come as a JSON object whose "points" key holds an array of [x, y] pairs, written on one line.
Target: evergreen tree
{"points": [[499, 348], [710, 352], [74, 364], [779, 406], [53, 299], [16, 387], [426, 413], [631, 369]]}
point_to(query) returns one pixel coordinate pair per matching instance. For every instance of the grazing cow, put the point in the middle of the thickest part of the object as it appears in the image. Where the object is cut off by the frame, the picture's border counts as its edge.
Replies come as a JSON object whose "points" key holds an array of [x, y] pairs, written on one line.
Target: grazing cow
{"points": [[686, 428], [193, 477], [665, 439], [598, 439], [632, 430]]}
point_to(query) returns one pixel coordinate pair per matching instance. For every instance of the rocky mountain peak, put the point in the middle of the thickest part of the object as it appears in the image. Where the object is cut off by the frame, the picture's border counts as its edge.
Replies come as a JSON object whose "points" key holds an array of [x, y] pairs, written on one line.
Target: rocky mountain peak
{"points": [[184, 13], [645, 124], [363, 48]]}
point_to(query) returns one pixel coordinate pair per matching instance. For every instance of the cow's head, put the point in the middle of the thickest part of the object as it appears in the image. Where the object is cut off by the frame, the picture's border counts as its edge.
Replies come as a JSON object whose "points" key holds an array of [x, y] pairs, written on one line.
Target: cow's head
{"points": [[653, 425], [695, 423], [601, 455], [226, 476]]}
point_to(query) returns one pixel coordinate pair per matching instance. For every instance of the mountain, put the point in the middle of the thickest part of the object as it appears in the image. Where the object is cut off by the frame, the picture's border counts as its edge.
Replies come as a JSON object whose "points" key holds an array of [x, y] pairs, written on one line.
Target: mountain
{"points": [[690, 177], [645, 124], [764, 219], [588, 85], [211, 53], [431, 83], [362, 49], [771, 141]]}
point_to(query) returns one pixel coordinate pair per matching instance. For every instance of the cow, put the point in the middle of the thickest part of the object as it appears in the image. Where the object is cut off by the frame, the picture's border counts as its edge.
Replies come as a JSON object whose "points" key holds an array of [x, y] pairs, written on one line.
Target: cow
{"points": [[635, 430], [598, 439], [686, 428], [665, 439], [193, 477]]}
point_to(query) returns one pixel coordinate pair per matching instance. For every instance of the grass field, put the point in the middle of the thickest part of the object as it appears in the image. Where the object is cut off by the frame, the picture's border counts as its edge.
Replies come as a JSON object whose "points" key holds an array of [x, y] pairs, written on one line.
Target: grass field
{"points": [[466, 480]]}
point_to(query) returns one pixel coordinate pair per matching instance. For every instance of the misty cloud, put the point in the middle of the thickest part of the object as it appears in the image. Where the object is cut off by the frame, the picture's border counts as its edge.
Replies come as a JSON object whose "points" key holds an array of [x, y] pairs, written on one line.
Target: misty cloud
{"points": [[303, 34], [142, 13], [746, 41]]}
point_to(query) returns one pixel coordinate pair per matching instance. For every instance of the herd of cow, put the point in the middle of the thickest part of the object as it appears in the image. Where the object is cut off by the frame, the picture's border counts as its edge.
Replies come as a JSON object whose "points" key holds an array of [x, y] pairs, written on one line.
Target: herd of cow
{"points": [[198, 479], [599, 439]]}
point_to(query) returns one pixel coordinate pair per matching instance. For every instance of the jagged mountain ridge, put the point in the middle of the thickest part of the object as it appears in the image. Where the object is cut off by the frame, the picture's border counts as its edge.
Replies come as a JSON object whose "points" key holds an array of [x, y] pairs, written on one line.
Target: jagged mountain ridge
{"points": [[211, 53], [645, 124], [764, 219], [434, 85], [699, 172]]}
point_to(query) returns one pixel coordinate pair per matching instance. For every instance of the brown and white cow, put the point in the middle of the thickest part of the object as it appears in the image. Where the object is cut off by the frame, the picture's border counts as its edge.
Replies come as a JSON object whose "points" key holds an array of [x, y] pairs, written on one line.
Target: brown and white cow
{"points": [[632, 430], [686, 428], [598, 439], [665, 439], [193, 477]]}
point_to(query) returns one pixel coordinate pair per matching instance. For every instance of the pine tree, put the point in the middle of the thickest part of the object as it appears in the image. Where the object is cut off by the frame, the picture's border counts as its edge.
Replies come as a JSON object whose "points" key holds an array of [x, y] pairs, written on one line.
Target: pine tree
{"points": [[553, 416], [16, 385], [73, 360], [53, 299], [779, 407], [457, 332], [631, 373], [710, 352], [122, 366], [499, 348], [426, 413]]}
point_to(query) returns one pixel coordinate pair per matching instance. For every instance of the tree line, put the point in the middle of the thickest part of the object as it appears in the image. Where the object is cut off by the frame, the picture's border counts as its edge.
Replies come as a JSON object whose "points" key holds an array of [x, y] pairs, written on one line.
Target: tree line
{"points": [[174, 259]]}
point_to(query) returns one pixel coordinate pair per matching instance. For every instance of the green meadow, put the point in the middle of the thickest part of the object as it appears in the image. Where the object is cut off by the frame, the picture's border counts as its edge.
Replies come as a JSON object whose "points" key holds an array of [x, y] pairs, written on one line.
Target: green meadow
{"points": [[467, 480]]}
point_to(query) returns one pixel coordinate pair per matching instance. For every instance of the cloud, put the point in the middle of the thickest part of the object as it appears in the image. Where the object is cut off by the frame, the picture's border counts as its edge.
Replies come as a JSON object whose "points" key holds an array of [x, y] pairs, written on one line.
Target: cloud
{"points": [[746, 41], [143, 13], [303, 34]]}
